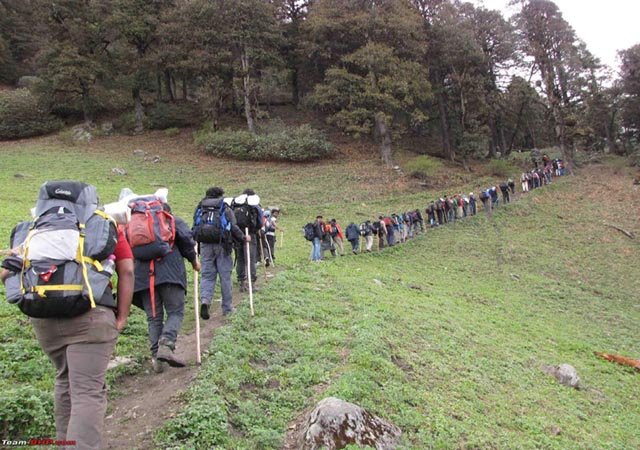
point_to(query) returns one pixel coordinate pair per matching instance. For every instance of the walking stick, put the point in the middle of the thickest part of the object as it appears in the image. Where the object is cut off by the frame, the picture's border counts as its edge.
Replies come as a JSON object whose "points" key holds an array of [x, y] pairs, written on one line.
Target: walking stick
{"points": [[265, 243], [281, 239], [248, 258], [195, 309]]}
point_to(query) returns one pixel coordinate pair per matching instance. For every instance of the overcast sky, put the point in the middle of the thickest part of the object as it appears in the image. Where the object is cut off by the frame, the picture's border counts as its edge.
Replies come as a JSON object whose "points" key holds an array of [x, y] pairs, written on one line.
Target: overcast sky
{"points": [[606, 26]]}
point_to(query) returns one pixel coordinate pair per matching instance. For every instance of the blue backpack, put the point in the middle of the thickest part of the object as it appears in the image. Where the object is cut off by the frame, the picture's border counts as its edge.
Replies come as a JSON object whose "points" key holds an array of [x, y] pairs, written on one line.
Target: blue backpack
{"points": [[210, 223]]}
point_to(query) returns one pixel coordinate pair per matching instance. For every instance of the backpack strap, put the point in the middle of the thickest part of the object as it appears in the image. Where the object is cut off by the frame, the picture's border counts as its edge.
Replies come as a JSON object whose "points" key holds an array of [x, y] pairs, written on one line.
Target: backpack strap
{"points": [[152, 287], [85, 272]]}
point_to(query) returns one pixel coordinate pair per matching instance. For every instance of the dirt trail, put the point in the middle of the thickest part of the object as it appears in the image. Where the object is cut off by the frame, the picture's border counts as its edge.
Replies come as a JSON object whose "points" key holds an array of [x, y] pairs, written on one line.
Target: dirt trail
{"points": [[146, 400]]}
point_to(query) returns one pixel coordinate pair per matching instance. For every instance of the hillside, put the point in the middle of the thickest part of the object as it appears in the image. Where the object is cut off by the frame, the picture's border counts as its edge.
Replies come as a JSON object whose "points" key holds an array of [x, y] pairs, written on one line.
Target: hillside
{"points": [[446, 335]]}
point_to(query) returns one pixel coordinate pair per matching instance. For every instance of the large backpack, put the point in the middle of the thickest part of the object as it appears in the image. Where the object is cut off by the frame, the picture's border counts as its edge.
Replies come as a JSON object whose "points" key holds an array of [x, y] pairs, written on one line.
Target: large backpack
{"points": [[62, 251], [309, 231], [375, 227], [151, 232], [365, 229], [211, 224], [247, 216]]}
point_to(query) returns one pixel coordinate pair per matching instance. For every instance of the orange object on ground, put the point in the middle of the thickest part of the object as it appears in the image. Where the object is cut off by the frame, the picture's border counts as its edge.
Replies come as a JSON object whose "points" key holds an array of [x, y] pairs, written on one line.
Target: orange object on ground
{"points": [[635, 363]]}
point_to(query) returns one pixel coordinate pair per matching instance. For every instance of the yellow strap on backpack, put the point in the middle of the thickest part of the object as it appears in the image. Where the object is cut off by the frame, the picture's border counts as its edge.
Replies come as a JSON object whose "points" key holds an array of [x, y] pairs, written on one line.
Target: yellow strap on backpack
{"points": [[81, 260], [42, 290]]}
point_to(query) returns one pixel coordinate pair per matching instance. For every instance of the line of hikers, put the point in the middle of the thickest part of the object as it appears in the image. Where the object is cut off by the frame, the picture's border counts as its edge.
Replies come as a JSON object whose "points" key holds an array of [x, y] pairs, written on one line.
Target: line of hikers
{"points": [[60, 263], [391, 229]]}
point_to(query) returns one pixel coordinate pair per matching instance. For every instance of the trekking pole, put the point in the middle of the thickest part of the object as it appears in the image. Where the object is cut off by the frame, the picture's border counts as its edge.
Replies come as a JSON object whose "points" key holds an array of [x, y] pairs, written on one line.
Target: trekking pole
{"points": [[195, 309], [282, 239], [266, 241], [248, 258]]}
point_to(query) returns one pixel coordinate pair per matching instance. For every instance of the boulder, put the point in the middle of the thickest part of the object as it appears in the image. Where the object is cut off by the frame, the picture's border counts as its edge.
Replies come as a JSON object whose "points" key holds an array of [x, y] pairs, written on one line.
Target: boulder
{"points": [[335, 424], [138, 152], [566, 375], [118, 171], [81, 133], [28, 81], [107, 128]]}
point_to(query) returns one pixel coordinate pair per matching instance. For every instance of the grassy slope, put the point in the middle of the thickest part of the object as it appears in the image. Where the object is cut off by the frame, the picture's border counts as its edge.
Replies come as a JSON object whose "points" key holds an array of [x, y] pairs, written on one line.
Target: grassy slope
{"points": [[448, 344]]}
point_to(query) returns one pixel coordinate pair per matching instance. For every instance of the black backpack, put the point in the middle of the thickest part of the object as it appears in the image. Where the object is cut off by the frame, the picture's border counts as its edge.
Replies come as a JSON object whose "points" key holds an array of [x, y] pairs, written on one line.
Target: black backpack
{"points": [[309, 231], [375, 228], [211, 224], [365, 229], [247, 217]]}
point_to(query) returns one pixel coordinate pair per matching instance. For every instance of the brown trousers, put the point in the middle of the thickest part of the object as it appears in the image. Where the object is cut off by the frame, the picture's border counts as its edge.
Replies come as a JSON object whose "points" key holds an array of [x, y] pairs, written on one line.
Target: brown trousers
{"points": [[80, 349]]}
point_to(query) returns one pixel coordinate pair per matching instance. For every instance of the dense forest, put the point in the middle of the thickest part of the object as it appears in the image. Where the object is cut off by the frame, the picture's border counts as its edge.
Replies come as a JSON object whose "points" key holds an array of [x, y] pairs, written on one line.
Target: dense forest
{"points": [[470, 81]]}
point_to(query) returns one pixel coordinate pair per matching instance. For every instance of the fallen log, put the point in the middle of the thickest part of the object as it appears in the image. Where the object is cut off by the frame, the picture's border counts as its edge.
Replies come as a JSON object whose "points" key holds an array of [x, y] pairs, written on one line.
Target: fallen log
{"points": [[630, 235]]}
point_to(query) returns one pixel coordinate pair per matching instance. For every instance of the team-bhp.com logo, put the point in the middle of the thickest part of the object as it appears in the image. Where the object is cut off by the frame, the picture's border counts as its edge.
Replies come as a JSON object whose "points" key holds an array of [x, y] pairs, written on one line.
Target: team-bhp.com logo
{"points": [[36, 441]]}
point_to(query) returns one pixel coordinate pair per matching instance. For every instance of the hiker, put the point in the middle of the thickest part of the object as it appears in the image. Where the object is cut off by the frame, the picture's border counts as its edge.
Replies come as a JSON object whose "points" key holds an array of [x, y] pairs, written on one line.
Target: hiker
{"points": [[77, 332], [485, 198], [337, 236], [249, 216], [270, 229], [170, 287], [382, 232], [316, 249], [216, 231], [493, 193], [431, 214], [388, 226], [472, 204], [504, 189], [512, 185], [524, 180], [353, 236], [367, 233], [459, 202]]}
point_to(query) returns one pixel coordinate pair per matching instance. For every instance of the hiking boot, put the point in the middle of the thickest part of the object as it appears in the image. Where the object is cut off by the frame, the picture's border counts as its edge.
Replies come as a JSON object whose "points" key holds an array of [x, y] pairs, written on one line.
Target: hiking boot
{"points": [[243, 286], [267, 263], [229, 312], [204, 312], [165, 353], [158, 366]]}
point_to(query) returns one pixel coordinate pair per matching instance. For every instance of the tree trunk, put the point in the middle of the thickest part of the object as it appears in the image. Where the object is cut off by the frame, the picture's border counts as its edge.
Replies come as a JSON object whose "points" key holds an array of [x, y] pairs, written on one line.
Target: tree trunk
{"points": [[184, 89], [444, 128], [246, 87], [86, 104], [168, 86], [215, 105], [385, 139], [295, 85], [139, 111], [159, 88]]}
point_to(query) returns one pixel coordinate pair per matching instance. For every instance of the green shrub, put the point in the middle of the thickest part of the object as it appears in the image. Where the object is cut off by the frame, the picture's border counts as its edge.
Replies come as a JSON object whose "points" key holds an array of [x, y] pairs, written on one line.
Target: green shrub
{"points": [[171, 132], [21, 115], [299, 144], [423, 167], [26, 412], [161, 116], [500, 168], [125, 123]]}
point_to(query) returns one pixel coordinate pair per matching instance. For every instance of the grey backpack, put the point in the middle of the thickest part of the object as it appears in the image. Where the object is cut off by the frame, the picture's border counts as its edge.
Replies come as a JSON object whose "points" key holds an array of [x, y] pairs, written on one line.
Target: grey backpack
{"points": [[61, 253]]}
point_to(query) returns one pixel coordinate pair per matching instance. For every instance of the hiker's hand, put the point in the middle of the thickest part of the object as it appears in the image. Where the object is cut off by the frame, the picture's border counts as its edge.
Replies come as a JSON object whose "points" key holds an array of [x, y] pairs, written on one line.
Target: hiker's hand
{"points": [[196, 266], [247, 238], [121, 323]]}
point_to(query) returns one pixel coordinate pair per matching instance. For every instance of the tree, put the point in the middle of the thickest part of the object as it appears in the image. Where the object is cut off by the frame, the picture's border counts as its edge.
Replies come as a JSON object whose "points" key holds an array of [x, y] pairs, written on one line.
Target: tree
{"points": [[630, 89], [76, 56], [137, 23], [376, 83], [561, 61]]}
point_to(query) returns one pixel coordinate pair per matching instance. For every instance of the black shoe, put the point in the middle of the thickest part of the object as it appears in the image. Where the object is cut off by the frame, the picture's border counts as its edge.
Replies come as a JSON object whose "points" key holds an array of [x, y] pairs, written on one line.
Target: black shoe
{"points": [[267, 263], [204, 312]]}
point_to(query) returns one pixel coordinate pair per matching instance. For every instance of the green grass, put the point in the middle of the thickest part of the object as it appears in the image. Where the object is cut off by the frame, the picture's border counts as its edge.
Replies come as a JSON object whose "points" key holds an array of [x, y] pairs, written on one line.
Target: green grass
{"points": [[448, 343]]}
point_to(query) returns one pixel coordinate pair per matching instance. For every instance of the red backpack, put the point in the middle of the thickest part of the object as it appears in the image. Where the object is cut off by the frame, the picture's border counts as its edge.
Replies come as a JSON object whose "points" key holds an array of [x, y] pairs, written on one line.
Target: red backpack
{"points": [[151, 233]]}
